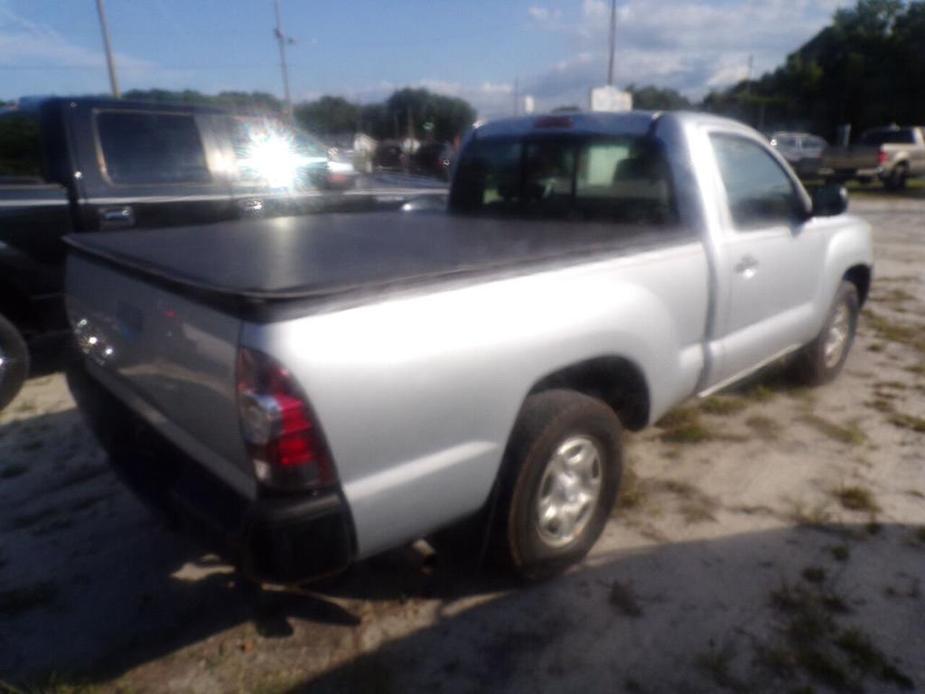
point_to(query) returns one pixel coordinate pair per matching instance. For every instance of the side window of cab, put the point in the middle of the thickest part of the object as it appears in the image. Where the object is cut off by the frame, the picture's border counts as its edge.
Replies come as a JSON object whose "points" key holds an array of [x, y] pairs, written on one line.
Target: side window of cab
{"points": [[759, 192]]}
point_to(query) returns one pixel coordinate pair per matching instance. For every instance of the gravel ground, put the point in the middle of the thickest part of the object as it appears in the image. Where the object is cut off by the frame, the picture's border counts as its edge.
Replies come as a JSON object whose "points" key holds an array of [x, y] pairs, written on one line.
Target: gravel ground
{"points": [[768, 539]]}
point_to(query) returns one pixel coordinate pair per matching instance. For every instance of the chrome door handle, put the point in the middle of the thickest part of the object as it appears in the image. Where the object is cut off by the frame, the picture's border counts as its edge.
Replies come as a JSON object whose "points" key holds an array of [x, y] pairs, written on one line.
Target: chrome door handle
{"points": [[747, 266], [116, 217], [250, 205]]}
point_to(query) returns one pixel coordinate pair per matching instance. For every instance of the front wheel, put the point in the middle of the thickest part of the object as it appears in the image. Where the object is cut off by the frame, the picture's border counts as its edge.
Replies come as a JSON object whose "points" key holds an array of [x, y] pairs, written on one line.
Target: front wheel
{"points": [[823, 358], [14, 362], [562, 472]]}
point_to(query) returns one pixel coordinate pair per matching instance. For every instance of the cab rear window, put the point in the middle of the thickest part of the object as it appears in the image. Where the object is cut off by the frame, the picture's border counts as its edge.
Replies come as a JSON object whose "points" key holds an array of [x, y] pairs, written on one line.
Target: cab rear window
{"points": [[151, 148], [622, 179]]}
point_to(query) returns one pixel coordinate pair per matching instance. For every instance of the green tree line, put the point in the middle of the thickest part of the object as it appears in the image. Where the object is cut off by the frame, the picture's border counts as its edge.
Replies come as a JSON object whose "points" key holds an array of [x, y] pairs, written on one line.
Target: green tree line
{"points": [[416, 111], [867, 68]]}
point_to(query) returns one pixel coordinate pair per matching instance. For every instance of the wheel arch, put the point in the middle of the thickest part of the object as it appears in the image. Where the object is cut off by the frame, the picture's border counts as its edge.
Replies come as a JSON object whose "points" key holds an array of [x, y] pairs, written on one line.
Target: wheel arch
{"points": [[859, 276], [616, 380]]}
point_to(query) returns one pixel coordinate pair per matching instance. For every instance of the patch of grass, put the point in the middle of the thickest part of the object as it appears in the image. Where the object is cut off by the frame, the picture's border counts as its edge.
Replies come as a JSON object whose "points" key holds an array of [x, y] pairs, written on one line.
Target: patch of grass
{"points": [[53, 526], [623, 598], [880, 405], [814, 574], [88, 502], [632, 494], [840, 552], [26, 407], [684, 425], [876, 347], [848, 433], [895, 295], [717, 663], [27, 520], [759, 393], [764, 427], [31, 446], [891, 331], [895, 385], [907, 421], [856, 498], [809, 516], [866, 657], [15, 601], [920, 535], [723, 405], [632, 685], [916, 369], [13, 470], [82, 474]]}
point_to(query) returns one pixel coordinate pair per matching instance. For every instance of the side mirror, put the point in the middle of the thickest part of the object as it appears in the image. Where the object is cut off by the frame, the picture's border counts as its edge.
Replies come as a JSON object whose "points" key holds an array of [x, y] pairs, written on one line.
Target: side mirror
{"points": [[830, 200]]}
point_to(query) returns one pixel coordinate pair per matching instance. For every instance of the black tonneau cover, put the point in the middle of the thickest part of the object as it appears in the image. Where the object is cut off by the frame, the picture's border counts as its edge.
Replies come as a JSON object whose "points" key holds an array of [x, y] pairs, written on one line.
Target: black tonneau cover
{"points": [[256, 263]]}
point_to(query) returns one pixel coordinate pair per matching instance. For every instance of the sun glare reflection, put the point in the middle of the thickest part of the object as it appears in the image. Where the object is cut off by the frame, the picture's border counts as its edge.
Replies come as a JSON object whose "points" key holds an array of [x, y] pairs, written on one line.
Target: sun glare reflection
{"points": [[277, 156]]}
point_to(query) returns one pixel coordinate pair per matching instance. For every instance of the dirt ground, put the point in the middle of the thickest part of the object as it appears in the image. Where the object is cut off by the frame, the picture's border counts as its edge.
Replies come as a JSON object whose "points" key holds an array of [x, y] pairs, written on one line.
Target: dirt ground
{"points": [[769, 539]]}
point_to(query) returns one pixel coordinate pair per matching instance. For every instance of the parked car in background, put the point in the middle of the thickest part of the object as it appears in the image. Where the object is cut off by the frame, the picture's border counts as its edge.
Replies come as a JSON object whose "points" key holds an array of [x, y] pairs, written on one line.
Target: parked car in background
{"points": [[365, 380], [803, 151], [390, 156], [891, 154], [353, 149], [91, 164], [433, 159]]}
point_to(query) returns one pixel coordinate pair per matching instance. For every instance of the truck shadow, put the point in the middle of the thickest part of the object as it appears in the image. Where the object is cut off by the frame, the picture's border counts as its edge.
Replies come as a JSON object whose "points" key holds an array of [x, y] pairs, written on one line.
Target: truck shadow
{"points": [[92, 584], [694, 616]]}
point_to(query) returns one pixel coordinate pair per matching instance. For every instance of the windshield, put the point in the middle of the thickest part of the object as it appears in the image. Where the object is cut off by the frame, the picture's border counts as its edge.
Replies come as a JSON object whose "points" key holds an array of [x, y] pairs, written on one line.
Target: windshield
{"points": [[621, 179]]}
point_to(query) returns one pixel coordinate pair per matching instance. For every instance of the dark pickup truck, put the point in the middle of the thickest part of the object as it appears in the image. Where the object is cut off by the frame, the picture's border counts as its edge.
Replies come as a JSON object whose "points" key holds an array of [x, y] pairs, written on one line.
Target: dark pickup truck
{"points": [[91, 164]]}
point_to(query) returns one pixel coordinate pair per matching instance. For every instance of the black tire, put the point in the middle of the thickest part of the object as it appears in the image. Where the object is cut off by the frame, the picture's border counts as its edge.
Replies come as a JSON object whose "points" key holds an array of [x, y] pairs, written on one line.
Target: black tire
{"points": [[15, 362], [548, 420], [897, 178], [812, 367]]}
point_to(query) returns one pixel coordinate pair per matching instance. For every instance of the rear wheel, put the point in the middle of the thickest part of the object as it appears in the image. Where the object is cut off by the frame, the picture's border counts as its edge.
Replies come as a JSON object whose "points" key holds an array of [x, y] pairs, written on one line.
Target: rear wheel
{"points": [[823, 358], [897, 178], [14, 362], [562, 472]]}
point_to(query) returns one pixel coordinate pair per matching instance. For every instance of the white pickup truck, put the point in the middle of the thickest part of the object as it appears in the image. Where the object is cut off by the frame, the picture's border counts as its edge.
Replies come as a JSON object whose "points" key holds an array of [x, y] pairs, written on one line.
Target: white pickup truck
{"points": [[314, 390]]}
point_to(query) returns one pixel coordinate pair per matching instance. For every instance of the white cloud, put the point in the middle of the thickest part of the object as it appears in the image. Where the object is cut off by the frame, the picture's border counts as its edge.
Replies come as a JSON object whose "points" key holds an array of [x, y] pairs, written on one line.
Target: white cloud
{"points": [[595, 9], [684, 44], [543, 15]]}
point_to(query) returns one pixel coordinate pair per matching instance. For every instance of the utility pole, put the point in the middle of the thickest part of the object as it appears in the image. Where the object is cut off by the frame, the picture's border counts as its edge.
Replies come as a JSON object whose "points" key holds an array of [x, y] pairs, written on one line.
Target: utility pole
{"points": [[613, 38], [748, 74], [282, 39], [107, 46]]}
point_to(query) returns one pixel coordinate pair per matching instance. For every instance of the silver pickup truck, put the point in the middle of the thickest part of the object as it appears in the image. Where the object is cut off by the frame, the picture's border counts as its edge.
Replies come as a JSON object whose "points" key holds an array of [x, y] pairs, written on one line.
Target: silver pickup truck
{"points": [[310, 391], [891, 154]]}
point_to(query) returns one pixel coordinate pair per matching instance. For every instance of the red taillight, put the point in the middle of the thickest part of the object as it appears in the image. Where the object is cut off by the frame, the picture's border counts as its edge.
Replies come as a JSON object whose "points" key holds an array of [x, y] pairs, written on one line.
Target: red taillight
{"points": [[278, 427], [883, 158]]}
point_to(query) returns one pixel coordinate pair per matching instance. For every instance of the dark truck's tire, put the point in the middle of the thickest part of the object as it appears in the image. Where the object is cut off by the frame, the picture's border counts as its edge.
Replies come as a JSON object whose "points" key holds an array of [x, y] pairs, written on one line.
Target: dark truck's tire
{"points": [[565, 455], [823, 358], [897, 178], [14, 362]]}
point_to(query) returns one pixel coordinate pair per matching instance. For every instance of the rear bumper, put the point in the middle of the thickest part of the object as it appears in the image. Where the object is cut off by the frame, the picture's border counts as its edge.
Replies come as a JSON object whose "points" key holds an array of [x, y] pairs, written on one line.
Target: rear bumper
{"points": [[281, 539]]}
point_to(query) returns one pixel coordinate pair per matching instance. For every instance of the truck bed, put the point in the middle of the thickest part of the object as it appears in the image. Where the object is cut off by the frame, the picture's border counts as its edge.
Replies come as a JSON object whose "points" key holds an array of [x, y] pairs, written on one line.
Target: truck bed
{"points": [[256, 265]]}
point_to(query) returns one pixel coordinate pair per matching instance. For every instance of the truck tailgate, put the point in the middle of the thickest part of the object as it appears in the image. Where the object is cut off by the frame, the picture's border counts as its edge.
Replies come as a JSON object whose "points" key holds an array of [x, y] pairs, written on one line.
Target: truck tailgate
{"points": [[170, 359]]}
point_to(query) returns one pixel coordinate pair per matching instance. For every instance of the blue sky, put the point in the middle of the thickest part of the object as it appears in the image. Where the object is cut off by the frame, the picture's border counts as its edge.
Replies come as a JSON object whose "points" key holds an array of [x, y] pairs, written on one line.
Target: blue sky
{"points": [[362, 49]]}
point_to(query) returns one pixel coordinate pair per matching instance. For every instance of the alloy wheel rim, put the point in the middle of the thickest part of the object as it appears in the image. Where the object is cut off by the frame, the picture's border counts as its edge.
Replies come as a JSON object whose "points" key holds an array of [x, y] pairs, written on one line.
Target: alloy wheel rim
{"points": [[837, 338], [569, 490]]}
